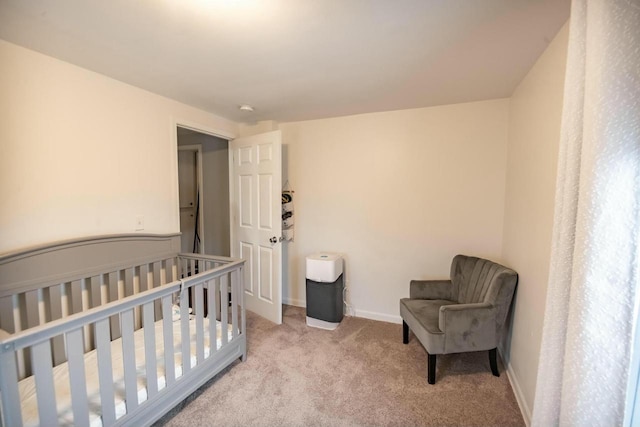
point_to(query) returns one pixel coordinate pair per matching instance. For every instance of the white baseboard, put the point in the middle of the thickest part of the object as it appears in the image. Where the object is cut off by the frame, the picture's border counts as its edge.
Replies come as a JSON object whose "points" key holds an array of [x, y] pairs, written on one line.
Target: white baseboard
{"points": [[294, 302], [357, 313], [377, 316], [517, 391]]}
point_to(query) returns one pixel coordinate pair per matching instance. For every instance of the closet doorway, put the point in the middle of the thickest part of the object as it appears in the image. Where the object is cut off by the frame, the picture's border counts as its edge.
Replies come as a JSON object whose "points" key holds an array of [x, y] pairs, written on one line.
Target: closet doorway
{"points": [[203, 186]]}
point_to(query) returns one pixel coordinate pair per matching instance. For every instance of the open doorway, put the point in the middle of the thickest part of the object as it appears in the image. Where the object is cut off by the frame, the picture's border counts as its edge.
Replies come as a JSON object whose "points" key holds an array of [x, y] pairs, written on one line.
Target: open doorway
{"points": [[203, 180]]}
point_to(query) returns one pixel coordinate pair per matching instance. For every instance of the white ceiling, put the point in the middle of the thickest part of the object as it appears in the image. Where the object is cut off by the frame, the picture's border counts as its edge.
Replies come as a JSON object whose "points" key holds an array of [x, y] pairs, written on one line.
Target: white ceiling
{"points": [[296, 59]]}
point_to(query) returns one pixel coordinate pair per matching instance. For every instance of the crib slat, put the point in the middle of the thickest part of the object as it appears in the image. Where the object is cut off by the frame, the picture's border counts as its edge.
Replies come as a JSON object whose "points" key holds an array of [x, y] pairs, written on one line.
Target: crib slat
{"points": [[45, 391], [20, 323], [32, 313], [104, 288], [150, 349], [146, 283], [79, 400], [121, 287], [171, 270], [55, 309], [184, 332], [136, 280], [144, 277], [199, 322], [167, 333], [224, 308], [85, 293], [241, 299], [168, 273], [75, 305], [135, 283], [182, 268], [105, 372], [211, 304], [157, 276], [6, 314], [243, 321], [44, 305], [85, 287], [128, 281], [55, 295], [20, 312], [95, 284], [10, 397], [128, 275], [96, 292], [129, 361], [154, 282], [113, 296], [234, 303], [8, 323], [192, 269], [163, 272]]}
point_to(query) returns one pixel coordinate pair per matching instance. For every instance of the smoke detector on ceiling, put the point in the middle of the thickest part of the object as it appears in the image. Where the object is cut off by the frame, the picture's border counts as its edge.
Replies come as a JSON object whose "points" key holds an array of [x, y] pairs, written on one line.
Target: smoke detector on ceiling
{"points": [[246, 108]]}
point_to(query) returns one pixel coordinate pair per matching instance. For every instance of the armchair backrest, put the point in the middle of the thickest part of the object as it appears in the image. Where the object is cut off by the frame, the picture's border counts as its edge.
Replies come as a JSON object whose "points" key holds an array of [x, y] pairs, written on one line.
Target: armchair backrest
{"points": [[480, 280]]}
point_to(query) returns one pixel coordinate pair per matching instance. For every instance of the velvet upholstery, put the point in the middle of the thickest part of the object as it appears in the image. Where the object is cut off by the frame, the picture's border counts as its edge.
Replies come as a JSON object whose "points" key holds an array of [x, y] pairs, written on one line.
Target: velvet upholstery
{"points": [[465, 313]]}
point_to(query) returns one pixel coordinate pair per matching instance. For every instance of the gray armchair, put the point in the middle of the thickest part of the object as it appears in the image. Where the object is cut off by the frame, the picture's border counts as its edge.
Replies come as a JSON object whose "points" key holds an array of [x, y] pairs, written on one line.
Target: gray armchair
{"points": [[466, 313]]}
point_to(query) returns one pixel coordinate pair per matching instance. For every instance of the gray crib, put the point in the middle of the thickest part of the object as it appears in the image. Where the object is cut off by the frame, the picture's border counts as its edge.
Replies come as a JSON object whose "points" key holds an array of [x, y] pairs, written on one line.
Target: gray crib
{"points": [[113, 330]]}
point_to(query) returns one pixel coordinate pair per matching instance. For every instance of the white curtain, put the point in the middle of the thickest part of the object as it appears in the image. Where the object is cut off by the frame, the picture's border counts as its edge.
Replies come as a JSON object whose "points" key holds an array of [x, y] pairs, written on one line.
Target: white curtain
{"points": [[593, 280]]}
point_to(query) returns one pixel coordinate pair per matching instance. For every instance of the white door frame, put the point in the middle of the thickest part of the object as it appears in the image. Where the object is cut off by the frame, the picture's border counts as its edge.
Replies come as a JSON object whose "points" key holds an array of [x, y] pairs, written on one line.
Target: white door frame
{"points": [[197, 149], [200, 128], [229, 136]]}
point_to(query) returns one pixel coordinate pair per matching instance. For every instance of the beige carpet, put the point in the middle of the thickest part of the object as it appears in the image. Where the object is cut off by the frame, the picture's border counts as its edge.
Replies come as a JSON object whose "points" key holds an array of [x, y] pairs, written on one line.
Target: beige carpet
{"points": [[358, 375]]}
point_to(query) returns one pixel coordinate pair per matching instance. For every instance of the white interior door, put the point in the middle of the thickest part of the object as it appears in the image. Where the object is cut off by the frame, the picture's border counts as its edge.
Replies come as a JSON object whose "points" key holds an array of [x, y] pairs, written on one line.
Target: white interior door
{"points": [[255, 186]]}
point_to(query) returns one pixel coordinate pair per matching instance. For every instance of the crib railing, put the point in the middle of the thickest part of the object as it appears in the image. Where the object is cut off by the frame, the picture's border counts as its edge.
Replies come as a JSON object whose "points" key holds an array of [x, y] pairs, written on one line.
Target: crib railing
{"points": [[58, 298], [200, 282], [78, 292]]}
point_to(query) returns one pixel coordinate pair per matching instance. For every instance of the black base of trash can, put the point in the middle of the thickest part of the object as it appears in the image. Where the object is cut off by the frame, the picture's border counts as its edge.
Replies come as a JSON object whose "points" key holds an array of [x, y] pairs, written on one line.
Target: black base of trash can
{"points": [[324, 300]]}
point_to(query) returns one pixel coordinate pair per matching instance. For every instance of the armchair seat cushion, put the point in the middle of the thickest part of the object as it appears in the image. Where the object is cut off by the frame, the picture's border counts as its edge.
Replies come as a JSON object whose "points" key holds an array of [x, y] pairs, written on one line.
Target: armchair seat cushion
{"points": [[422, 316]]}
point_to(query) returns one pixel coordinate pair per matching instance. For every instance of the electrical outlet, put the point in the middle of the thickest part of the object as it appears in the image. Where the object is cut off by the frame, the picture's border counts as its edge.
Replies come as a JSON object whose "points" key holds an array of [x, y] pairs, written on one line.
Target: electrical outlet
{"points": [[139, 223]]}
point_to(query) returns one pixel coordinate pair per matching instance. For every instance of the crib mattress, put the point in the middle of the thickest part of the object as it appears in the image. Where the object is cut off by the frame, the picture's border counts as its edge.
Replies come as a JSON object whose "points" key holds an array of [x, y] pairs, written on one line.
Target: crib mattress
{"points": [[27, 387]]}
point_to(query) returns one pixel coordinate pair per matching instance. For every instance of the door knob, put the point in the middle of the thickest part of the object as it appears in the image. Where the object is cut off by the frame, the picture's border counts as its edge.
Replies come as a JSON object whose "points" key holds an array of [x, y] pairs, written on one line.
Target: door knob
{"points": [[273, 240]]}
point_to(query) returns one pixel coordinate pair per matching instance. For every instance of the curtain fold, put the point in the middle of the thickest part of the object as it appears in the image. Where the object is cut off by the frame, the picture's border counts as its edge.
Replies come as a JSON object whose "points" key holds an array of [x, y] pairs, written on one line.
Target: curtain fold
{"points": [[589, 316]]}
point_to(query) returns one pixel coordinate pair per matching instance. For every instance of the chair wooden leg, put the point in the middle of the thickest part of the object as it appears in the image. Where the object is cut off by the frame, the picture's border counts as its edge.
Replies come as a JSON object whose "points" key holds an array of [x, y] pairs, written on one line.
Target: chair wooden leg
{"points": [[431, 368], [494, 362], [405, 333]]}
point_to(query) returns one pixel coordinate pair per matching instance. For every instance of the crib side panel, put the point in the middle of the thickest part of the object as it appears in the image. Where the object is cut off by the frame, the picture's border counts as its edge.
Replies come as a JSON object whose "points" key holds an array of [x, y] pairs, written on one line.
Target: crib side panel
{"points": [[43, 284], [202, 283]]}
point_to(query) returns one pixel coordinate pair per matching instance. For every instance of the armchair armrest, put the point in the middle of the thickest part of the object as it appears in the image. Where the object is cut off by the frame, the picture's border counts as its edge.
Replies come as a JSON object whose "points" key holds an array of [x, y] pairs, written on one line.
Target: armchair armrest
{"points": [[468, 327], [430, 289]]}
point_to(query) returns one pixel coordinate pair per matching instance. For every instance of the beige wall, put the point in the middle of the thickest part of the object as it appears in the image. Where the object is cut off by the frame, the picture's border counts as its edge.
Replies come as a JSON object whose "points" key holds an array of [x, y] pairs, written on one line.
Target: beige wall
{"points": [[82, 154], [534, 132], [248, 129], [398, 193]]}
